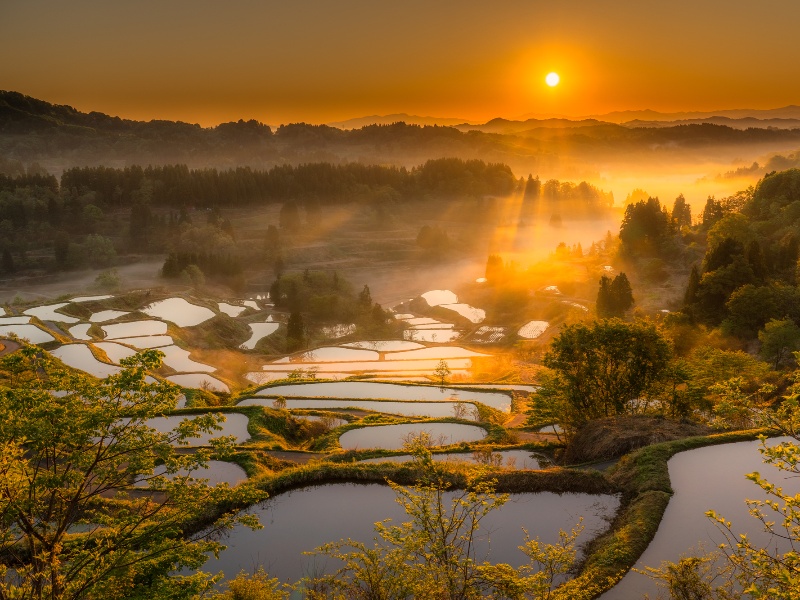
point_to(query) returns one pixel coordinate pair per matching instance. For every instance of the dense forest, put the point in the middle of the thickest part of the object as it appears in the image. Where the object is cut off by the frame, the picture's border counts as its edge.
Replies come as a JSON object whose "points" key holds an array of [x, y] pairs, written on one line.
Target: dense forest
{"points": [[94, 214]]}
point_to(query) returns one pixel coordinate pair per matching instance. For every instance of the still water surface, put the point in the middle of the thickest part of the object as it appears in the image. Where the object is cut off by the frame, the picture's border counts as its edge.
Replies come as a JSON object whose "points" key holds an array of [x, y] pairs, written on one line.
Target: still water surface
{"points": [[304, 519]]}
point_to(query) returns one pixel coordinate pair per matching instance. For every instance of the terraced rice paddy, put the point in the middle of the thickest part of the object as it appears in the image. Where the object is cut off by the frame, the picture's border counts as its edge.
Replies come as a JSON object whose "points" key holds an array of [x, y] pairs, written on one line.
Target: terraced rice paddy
{"points": [[79, 356], [26, 331], [199, 380], [393, 437], [179, 311], [432, 410], [296, 525], [533, 329], [365, 390], [49, 313], [134, 329], [259, 331]]}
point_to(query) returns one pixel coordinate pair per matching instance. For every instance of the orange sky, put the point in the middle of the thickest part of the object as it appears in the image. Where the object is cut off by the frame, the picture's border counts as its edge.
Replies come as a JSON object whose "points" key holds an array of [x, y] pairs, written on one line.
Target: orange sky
{"points": [[210, 61]]}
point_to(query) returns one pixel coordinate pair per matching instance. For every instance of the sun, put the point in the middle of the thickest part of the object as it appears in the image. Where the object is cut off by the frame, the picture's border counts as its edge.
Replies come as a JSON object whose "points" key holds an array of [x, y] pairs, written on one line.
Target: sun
{"points": [[552, 79]]}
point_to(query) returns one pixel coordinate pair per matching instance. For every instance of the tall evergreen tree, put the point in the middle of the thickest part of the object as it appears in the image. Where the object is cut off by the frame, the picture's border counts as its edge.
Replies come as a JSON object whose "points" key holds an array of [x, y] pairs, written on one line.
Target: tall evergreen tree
{"points": [[8, 261], [681, 213], [604, 303], [295, 332], [622, 293], [690, 296], [365, 298]]}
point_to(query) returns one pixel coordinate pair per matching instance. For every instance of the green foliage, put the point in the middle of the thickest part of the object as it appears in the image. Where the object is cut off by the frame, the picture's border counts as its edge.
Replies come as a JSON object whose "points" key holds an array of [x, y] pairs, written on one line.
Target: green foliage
{"points": [[442, 372], [599, 370], [615, 297], [681, 213], [695, 578], [108, 280], [67, 461], [258, 586], [779, 339], [433, 555], [766, 573], [645, 227]]}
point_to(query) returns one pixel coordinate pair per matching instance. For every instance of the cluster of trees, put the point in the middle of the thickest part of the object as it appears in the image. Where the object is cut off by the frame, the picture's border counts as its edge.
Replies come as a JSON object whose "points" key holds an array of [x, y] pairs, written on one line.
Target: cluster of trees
{"points": [[615, 296], [648, 227], [749, 273], [322, 297], [69, 527], [227, 268], [578, 200], [177, 185]]}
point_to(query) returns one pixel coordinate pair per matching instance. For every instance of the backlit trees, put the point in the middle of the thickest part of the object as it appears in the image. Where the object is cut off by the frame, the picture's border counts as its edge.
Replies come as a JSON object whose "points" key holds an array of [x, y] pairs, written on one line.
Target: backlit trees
{"points": [[72, 448]]}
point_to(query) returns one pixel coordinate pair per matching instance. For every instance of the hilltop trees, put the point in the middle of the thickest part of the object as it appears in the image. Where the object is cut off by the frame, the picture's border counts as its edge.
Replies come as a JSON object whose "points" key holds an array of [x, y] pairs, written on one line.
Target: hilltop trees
{"points": [[601, 369], [615, 297], [644, 228], [71, 447]]}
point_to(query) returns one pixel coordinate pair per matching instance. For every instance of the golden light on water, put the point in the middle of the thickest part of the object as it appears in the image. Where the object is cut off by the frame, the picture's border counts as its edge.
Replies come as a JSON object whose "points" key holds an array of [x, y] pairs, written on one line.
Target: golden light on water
{"points": [[552, 79]]}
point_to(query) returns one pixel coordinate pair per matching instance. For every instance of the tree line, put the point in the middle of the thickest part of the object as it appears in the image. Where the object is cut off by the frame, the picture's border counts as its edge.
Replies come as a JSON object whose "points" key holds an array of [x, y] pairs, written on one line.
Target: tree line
{"points": [[177, 185]]}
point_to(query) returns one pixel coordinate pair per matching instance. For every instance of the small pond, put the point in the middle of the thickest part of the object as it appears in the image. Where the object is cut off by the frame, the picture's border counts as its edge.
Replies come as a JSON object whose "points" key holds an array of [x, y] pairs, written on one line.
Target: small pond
{"points": [[231, 309], [330, 354], [419, 321], [107, 315], [48, 313], [374, 366], [14, 320], [26, 331], [403, 316], [434, 326], [504, 386], [115, 352], [178, 359], [475, 315], [329, 421], [386, 391], [235, 424], [488, 335], [216, 471], [79, 356], [338, 331], [81, 332], [251, 304], [385, 345], [710, 478], [135, 329], [296, 521], [392, 437], [408, 409], [533, 329], [512, 459], [198, 380], [437, 352], [437, 297], [441, 336], [262, 377], [147, 341], [179, 311], [91, 298], [259, 331]]}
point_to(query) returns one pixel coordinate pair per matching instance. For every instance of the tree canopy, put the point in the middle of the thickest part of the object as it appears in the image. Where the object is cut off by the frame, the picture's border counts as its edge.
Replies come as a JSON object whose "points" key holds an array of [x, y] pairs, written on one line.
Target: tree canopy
{"points": [[72, 450]]}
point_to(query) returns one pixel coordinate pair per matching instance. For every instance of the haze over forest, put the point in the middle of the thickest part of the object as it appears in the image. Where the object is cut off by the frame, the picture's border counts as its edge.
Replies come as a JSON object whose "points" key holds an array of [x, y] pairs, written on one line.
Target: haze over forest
{"points": [[458, 252]]}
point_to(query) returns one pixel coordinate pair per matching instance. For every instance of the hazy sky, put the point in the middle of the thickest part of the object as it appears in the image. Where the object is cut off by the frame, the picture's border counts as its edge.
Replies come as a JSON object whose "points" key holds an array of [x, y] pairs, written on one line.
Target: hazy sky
{"points": [[210, 61]]}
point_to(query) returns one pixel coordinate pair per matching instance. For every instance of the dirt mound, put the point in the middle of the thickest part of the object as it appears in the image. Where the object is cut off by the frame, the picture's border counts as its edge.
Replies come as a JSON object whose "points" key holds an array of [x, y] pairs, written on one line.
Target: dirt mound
{"points": [[610, 438]]}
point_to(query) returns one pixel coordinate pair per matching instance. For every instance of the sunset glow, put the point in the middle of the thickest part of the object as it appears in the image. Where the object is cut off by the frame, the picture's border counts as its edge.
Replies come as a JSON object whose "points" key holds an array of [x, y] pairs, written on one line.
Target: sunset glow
{"points": [[322, 62]]}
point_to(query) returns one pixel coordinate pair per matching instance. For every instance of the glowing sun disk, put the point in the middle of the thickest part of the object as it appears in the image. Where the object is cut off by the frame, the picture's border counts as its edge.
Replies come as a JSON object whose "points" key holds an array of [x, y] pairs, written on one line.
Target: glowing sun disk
{"points": [[552, 79]]}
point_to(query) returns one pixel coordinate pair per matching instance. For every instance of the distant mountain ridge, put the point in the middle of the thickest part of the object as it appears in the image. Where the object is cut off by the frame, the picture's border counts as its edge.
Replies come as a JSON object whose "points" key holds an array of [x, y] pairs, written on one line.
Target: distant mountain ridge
{"points": [[359, 122], [787, 117]]}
